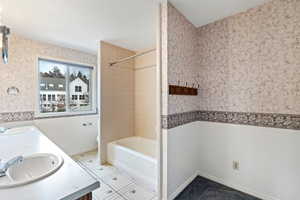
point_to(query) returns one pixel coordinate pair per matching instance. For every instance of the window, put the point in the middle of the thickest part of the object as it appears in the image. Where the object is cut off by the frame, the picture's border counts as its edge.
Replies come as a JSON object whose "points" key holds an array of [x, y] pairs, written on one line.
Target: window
{"points": [[61, 97], [81, 97], [78, 88], [69, 88], [74, 97]]}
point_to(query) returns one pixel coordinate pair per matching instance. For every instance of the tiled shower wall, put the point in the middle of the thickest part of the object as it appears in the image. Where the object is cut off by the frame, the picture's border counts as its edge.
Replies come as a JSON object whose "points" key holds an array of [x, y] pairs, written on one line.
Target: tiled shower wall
{"points": [[248, 62], [144, 95], [117, 95]]}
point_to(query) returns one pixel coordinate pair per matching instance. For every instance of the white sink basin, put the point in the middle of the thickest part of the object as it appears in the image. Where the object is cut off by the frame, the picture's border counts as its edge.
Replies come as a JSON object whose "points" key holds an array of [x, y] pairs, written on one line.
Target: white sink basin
{"points": [[14, 131], [32, 168]]}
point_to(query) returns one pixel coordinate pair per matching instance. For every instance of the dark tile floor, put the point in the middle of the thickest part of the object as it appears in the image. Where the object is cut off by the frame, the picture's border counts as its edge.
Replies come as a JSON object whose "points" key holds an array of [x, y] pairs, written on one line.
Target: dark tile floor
{"points": [[204, 189]]}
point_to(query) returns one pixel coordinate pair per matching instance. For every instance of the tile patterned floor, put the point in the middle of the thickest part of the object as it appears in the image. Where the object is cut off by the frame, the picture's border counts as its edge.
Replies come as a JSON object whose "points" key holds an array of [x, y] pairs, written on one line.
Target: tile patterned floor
{"points": [[115, 184]]}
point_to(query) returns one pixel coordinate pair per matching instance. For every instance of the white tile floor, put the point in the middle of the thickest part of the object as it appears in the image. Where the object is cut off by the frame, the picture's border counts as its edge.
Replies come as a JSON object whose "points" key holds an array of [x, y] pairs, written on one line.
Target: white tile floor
{"points": [[114, 183]]}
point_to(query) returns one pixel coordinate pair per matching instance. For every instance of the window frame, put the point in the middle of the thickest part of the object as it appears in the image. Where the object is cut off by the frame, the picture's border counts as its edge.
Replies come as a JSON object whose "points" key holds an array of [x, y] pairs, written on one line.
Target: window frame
{"points": [[78, 88], [68, 112]]}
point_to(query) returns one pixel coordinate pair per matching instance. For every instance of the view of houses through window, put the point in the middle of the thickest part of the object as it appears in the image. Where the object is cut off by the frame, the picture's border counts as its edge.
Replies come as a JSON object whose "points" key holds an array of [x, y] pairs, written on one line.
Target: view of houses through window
{"points": [[64, 87]]}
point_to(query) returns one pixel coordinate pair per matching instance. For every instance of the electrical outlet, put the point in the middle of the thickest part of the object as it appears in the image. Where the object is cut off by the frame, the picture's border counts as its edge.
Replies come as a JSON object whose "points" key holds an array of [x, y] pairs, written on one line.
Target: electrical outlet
{"points": [[235, 165]]}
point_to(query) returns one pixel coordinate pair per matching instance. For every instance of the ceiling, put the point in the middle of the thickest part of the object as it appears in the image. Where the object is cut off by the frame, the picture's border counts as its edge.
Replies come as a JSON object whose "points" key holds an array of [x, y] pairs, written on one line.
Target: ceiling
{"points": [[202, 12], [81, 24]]}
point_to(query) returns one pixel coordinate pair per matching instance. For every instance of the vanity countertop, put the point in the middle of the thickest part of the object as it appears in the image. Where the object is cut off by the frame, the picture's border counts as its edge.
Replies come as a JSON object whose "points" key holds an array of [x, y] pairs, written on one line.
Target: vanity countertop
{"points": [[70, 182]]}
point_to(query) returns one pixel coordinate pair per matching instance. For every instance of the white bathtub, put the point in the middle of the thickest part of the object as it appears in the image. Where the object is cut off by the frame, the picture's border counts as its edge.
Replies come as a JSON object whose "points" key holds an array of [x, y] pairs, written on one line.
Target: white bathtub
{"points": [[137, 157]]}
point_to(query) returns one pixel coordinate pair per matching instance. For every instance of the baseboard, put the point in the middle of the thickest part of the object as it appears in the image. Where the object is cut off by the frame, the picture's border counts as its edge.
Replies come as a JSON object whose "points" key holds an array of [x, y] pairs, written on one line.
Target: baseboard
{"points": [[221, 181], [84, 151], [182, 187], [235, 186]]}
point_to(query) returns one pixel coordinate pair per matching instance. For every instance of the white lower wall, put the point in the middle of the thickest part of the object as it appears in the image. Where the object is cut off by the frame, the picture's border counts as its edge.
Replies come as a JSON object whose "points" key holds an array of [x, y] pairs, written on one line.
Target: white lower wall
{"points": [[269, 158], [70, 134], [182, 150]]}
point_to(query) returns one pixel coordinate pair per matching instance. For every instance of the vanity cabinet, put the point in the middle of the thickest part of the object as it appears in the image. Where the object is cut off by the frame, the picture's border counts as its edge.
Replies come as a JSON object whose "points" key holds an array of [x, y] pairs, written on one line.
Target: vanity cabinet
{"points": [[87, 197]]}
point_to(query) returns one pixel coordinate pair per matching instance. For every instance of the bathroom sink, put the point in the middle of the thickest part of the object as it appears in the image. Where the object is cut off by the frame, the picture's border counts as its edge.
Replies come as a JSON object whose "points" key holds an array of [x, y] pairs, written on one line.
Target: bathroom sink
{"points": [[32, 168]]}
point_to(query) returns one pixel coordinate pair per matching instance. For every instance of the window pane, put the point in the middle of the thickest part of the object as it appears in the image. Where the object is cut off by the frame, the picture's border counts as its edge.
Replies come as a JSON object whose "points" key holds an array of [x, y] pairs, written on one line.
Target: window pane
{"points": [[79, 88], [52, 86]]}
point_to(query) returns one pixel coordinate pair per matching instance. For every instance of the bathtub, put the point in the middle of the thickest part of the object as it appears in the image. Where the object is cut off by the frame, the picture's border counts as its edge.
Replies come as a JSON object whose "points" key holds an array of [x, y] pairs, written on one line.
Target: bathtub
{"points": [[137, 157]]}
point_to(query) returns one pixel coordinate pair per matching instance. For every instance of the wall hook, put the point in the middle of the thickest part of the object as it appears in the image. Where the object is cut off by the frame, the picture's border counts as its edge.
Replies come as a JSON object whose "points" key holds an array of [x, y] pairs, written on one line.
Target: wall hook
{"points": [[12, 90]]}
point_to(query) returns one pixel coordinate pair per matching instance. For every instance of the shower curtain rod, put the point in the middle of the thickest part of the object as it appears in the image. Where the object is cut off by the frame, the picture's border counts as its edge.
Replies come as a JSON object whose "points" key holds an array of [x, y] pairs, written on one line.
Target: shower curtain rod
{"points": [[131, 57]]}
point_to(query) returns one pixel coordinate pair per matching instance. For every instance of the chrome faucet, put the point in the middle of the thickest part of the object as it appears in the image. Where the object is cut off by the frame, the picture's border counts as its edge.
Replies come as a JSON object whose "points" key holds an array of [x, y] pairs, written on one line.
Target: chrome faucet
{"points": [[3, 129], [4, 166]]}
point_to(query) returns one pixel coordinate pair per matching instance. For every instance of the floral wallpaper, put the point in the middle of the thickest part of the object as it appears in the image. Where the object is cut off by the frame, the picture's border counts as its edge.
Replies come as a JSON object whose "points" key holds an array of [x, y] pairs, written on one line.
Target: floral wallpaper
{"points": [[249, 62], [21, 71], [182, 59]]}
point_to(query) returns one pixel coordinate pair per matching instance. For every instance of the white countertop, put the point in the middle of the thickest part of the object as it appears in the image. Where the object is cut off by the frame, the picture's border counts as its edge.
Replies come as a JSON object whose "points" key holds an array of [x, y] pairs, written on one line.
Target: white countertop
{"points": [[70, 182]]}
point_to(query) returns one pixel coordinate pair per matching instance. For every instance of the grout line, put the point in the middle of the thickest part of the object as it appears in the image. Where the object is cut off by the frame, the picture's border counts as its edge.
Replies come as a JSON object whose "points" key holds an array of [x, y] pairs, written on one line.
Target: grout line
{"points": [[119, 192], [98, 178]]}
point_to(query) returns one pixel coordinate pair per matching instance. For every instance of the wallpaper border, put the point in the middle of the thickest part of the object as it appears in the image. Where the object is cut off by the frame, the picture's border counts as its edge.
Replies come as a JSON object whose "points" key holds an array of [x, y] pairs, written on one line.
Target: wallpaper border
{"points": [[16, 116], [273, 120], [29, 116], [283, 121]]}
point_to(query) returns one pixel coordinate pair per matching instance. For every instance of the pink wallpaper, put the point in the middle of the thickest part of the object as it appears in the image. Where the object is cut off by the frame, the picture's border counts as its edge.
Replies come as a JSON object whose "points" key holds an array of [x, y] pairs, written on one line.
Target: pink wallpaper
{"points": [[22, 67], [249, 62], [182, 59]]}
